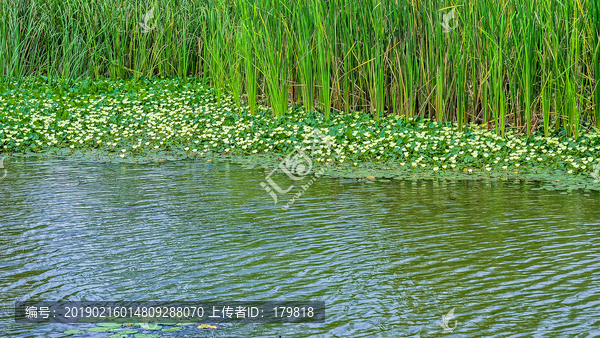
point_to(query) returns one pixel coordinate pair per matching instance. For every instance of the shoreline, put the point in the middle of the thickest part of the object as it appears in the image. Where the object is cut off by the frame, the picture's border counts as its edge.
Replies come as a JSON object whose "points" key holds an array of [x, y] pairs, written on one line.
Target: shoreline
{"points": [[369, 172], [145, 121]]}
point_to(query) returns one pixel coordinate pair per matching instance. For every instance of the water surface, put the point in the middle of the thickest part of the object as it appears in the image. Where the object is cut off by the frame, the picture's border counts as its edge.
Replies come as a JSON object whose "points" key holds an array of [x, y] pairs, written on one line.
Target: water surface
{"points": [[388, 258]]}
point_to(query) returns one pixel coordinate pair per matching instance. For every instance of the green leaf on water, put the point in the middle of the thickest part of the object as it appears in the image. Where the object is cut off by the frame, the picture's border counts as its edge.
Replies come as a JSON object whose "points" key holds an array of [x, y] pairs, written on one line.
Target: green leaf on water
{"points": [[145, 335], [71, 332], [177, 328], [100, 329], [152, 326], [109, 324]]}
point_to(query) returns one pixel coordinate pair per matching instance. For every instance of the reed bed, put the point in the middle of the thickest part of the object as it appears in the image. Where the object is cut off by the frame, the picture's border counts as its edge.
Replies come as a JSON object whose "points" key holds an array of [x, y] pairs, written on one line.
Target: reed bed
{"points": [[508, 64]]}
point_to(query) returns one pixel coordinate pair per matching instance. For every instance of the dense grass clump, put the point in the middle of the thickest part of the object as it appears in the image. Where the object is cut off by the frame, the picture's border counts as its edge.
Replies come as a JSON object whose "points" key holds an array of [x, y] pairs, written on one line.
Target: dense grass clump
{"points": [[138, 118], [510, 64]]}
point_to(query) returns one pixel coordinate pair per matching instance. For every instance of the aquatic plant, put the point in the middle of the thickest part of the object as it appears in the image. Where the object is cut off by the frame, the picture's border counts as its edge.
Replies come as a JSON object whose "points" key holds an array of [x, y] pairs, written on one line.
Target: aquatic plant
{"points": [[137, 118], [501, 64]]}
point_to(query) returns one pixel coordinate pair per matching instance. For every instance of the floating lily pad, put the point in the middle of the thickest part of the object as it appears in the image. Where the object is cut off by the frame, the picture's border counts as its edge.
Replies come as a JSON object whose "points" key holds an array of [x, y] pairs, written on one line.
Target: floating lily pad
{"points": [[100, 329], [71, 332], [109, 324], [150, 326], [146, 335], [176, 328]]}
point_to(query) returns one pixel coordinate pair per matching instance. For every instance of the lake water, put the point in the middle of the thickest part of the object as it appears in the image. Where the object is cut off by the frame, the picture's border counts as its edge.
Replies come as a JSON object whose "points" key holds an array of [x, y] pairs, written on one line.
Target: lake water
{"points": [[388, 258]]}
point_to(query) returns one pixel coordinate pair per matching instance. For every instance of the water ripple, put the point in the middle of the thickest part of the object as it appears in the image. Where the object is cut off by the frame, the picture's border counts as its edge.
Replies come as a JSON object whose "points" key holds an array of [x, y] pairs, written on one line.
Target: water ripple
{"points": [[389, 258]]}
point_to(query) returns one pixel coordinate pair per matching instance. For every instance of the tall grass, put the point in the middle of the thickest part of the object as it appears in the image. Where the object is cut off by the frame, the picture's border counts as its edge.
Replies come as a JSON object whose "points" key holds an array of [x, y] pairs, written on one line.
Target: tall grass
{"points": [[595, 33], [507, 64]]}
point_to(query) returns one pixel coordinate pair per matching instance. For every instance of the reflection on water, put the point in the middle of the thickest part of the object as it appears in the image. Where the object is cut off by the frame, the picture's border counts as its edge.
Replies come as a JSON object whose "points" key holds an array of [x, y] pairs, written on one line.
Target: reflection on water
{"points": [[389, 258]]}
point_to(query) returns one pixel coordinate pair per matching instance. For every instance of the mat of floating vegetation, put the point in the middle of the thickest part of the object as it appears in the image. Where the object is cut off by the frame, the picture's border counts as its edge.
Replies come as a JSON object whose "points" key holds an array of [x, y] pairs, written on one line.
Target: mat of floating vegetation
{"points": [[146, 121]]}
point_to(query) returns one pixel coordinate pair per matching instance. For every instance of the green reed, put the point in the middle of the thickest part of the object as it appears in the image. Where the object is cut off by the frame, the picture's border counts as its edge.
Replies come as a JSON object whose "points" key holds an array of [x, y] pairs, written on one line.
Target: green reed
{"points": [[594, 8], [503, 64]]}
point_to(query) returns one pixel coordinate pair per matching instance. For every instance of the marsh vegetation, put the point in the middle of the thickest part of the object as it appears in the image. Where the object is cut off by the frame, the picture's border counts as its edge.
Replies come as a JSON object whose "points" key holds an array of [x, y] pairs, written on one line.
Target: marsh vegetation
{"points": [[504, 64]]}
